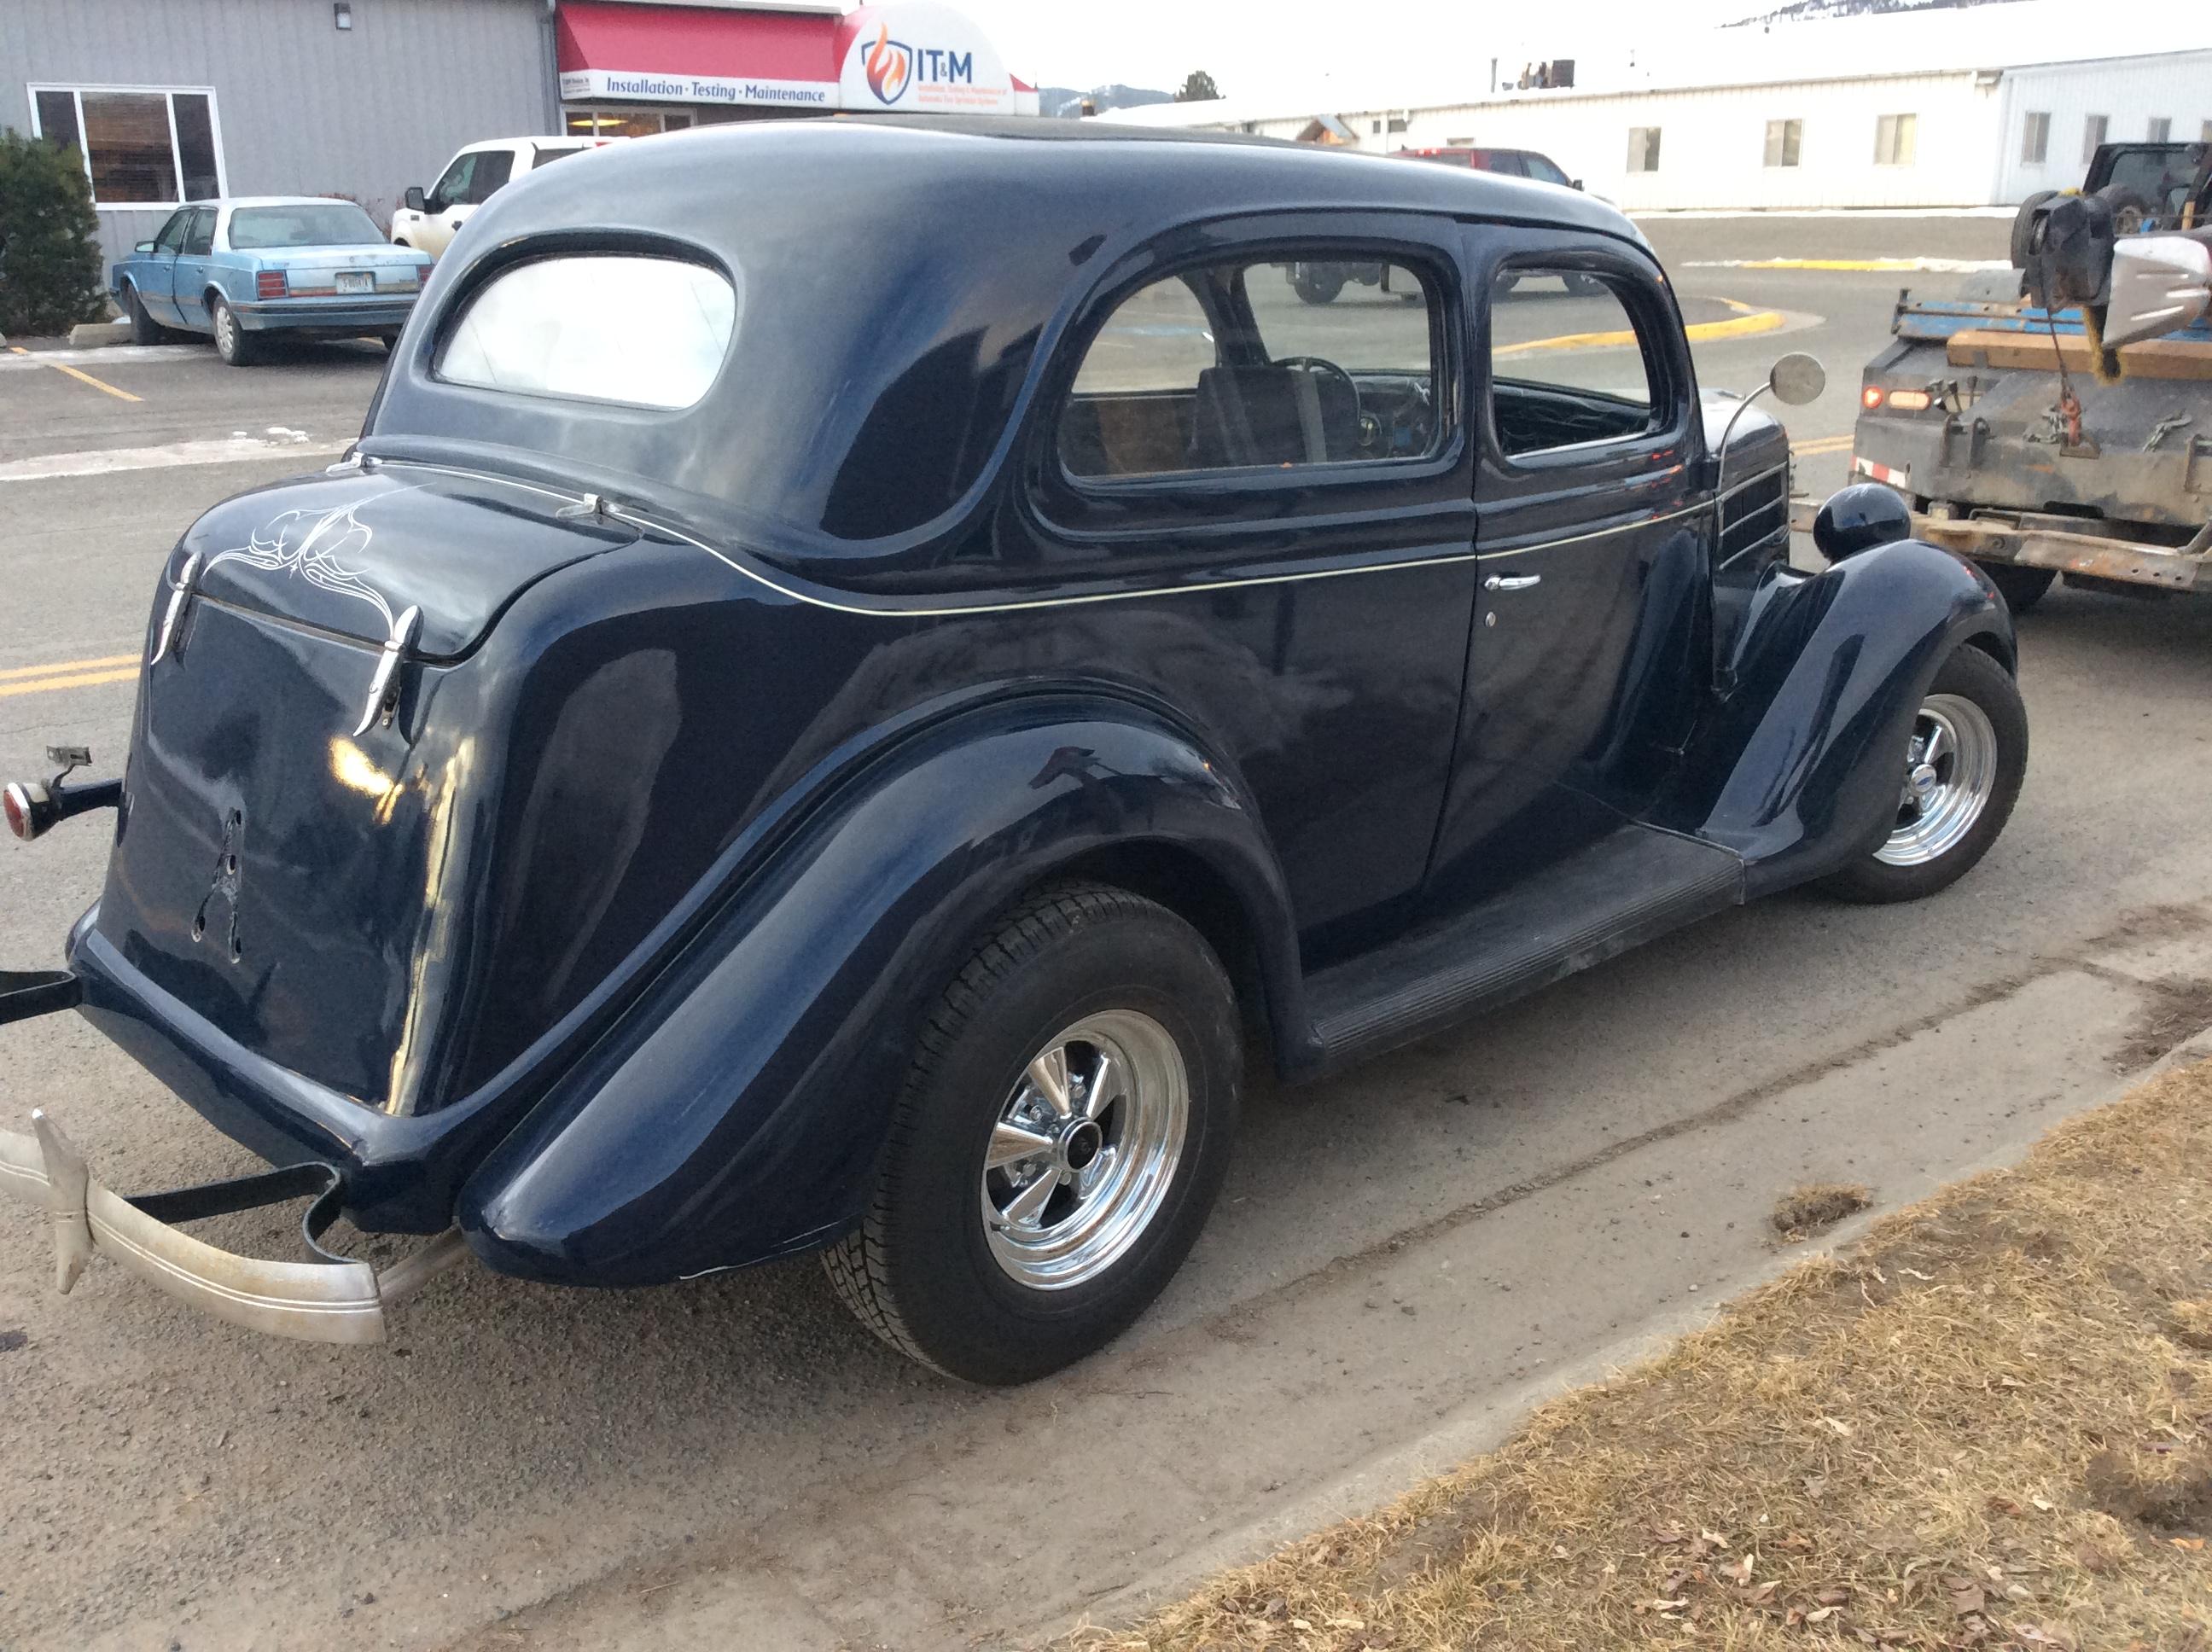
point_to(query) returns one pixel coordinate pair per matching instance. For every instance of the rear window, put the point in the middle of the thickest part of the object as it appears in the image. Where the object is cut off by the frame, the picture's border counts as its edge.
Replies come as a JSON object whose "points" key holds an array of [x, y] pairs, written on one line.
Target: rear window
{"points": [[651, 332], [336, 223]]}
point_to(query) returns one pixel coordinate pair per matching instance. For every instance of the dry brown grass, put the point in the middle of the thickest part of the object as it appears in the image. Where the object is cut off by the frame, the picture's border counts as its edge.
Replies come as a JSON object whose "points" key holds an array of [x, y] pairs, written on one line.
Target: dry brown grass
{"points": [[1808, 1208], [1988, 1426]]}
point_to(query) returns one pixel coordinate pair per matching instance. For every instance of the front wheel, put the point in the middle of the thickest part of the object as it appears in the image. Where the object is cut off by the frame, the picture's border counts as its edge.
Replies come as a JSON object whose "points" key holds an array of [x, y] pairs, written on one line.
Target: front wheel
{"points": [[144, 329], [232, 342], [1963, 762], [1060, 1136]]}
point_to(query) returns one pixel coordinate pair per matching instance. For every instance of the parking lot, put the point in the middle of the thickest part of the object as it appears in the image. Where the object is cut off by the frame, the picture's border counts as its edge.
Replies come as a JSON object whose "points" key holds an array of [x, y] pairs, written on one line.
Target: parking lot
{"points": [[1403, 1257]]}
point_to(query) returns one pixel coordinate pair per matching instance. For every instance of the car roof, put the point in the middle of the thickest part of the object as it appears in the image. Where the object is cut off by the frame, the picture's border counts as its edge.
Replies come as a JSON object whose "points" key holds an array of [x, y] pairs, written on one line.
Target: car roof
{"points": [[901, 285], [269, 200]]}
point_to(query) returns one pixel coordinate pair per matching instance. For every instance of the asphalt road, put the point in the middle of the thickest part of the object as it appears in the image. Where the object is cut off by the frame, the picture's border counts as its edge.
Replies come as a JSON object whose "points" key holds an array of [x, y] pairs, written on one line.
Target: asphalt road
{"points": [[1403, 1256]]}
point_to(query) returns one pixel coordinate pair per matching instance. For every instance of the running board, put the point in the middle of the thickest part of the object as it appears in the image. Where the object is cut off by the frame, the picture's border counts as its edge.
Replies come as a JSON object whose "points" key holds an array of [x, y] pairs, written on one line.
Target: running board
{"points": [[1626, 889]]}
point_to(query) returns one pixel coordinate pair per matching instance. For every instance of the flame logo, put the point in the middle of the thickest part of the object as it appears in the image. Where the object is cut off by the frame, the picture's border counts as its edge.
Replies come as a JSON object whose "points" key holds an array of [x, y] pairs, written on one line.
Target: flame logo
{"points": [[890, 66]]}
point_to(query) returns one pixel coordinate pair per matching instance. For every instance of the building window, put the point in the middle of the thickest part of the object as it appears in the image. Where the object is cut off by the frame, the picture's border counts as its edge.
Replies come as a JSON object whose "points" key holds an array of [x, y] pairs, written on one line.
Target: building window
{"points": [[141, 147], [1643, 148], [2093, 134], [1782, 138], [2035, 139], [1892, 140], [2161, 129]]}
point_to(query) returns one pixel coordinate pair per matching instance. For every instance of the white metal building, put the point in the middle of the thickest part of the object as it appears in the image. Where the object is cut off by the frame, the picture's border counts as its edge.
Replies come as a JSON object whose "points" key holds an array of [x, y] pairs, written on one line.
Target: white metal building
{"points": [[1950, 110]]}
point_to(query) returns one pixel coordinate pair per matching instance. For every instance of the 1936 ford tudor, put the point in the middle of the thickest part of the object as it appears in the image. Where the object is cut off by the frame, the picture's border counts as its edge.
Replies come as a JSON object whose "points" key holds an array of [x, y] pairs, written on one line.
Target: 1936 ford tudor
{"points": [[856, 669]]}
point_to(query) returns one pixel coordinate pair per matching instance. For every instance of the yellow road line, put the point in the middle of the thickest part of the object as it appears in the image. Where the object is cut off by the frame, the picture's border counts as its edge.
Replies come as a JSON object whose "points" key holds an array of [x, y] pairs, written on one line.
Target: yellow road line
{"points": [[96, 384], [1822, 445], [1742, 326], [82, 680], [102, 664]]}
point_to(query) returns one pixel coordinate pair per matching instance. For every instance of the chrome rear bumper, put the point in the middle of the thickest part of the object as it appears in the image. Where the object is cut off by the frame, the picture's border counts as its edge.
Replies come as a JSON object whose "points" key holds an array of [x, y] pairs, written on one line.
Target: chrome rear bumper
{"points": [[330, 1300]]}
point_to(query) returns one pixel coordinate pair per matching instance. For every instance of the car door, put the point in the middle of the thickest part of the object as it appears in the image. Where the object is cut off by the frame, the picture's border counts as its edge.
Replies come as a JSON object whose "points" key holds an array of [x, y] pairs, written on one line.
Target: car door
{"points": [[1593, 555], [1290, 485], [195, 270], [154, 272], [484, 172]]}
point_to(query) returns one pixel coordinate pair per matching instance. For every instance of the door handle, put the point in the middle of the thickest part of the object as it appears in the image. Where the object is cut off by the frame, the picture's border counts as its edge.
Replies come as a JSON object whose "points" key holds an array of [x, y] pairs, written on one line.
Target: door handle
{"points": [[1512, 582]]}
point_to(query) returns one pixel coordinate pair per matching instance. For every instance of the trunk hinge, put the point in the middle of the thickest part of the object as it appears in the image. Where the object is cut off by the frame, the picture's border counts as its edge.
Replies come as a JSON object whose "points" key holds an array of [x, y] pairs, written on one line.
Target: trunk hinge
{"points": [[384, 686], [179, 596]]}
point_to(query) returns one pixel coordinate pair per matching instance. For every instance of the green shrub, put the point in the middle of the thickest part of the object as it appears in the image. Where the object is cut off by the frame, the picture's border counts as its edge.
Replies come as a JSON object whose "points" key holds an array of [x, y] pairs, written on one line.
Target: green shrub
{"points": [[49, 261]]}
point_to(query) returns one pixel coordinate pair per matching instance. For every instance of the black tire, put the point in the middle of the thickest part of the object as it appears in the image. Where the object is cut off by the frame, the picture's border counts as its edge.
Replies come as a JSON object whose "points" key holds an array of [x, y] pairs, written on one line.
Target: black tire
{"points": [[2134, 213], [237, 347], [2020, 587], [920, 1269], [2022, 227], [144, 329], [389, 341], [1583, 286], [1318, 284], [1969, 675]]}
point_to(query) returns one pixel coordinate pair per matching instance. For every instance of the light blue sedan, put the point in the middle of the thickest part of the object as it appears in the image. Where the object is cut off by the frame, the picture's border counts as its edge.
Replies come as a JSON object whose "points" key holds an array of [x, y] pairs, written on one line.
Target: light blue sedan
{"points": [[239, 270]]}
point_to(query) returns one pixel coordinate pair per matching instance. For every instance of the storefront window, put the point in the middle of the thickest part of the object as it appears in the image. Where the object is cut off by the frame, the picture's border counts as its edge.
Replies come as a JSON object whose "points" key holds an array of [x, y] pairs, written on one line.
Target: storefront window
{"points": [[625, 123], [140, 148]]}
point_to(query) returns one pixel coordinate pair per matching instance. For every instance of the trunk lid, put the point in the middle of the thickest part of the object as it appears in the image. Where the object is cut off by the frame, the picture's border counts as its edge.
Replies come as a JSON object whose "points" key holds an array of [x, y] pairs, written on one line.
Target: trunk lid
{"points": [[307, 808], [349, 554]]}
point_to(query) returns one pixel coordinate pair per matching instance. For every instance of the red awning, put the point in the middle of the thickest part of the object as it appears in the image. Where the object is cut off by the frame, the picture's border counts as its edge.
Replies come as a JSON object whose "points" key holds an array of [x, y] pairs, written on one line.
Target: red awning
{"points": [[774, 46]]}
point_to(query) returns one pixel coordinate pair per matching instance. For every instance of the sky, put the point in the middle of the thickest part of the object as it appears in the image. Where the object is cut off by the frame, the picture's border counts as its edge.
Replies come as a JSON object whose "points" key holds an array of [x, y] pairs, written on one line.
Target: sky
{"points": [[1265, 48], [1388, 52]]}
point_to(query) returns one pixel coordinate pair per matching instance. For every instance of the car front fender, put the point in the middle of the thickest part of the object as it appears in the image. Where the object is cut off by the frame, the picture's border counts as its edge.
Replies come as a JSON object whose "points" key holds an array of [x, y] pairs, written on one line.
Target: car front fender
{"points": [[738, 1113], [1798, 768]]}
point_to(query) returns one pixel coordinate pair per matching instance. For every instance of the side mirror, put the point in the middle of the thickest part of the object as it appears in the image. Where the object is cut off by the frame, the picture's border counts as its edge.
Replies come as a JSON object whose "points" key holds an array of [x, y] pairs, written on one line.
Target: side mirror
{"points": [[143, 247], [1798, 378], [2160, 284], [414, 200], [1574, 183]]}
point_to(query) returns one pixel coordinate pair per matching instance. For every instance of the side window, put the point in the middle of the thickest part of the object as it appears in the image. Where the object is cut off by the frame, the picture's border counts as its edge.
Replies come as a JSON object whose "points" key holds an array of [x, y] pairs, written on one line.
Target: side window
{"points": [[1543, 170], [173, 233], [1251, 363], [1568, 365], [493, 167], [200, 238], [452, 188]]}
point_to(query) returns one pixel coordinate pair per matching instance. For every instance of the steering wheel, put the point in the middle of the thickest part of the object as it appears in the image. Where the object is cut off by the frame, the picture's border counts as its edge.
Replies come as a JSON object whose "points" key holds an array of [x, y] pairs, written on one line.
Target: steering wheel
{"points": [[1323, 365]]}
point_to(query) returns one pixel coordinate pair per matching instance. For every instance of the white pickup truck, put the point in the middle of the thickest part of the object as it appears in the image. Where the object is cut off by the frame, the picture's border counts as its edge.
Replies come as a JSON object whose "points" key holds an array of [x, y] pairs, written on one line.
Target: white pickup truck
{"points": [[429, 219]]}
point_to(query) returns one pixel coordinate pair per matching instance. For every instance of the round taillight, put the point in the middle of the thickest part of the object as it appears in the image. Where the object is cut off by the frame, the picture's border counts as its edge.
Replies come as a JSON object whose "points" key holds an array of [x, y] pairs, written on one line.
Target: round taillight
{"points": [[18, 807], [1870, 398]]}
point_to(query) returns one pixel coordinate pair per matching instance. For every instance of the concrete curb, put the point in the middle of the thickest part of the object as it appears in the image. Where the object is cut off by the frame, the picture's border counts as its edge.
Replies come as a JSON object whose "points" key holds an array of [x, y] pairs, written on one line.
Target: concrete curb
{"points": [[92, 335], [1485, 1425]]}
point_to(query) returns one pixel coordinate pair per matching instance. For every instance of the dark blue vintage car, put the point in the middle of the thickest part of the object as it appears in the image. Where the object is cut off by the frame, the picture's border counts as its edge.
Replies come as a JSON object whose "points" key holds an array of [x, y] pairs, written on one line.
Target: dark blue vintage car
{"points": [[857, 668]]}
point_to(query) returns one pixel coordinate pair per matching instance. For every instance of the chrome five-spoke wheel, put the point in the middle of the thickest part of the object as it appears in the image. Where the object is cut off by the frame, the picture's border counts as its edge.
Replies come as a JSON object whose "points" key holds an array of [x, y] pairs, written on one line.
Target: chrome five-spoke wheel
{"points": [[1084, 1149], [1964, 755], [1950, 772], [1038, 1187]]}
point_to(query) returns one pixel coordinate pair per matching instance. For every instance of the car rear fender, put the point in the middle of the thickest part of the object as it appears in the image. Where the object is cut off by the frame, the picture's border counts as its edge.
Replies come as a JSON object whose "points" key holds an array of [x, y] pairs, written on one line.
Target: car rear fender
{"points": [[1798, 768], [737, 1113]]}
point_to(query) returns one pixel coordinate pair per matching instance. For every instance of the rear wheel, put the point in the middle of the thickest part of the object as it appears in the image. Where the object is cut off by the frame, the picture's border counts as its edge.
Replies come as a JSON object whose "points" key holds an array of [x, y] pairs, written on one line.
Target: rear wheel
{"points": [[1060, 1137], [1963, 762], [233, 342], [1317, 283], [144, 329], [2020, 587]]}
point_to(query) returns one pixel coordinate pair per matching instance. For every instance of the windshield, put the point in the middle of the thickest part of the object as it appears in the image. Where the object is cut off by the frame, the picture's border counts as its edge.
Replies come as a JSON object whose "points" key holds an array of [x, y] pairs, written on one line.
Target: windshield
{"points": [[321, 223]]}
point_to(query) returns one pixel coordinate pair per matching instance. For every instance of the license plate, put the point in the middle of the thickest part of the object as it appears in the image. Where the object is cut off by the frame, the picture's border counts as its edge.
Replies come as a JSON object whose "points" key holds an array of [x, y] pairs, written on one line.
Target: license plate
{"points": [[356, 281]]}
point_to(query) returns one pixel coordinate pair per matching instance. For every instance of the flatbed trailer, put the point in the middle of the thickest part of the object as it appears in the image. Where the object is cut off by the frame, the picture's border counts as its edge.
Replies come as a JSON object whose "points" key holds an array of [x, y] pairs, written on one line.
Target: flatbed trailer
{"points": [[1966, 413], [2024, 444]]}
